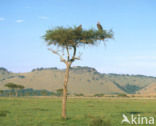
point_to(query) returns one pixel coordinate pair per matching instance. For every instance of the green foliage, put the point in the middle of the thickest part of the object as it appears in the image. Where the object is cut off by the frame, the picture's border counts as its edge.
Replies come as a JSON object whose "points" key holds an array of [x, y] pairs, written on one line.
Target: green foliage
{"points": [[3, 69], [14, 86], [75, 36], [11, 85], [122, 95], [131, 88], [59, 92], [21, 76], [84, 68], [128, 88], [1, 91], [99, 95], [40, 69], [81, 94], [44, 92], [20, 86], [29, 92]]}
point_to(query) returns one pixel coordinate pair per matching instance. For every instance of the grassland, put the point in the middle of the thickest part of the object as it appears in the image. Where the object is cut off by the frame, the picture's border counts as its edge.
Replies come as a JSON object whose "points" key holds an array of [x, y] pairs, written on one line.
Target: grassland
{"points": [[81, 111]]}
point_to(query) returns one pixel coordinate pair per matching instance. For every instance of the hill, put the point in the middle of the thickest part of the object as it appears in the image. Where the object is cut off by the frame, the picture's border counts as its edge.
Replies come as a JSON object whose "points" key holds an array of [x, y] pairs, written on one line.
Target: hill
{"points": [[84, 80], [150, 89]]}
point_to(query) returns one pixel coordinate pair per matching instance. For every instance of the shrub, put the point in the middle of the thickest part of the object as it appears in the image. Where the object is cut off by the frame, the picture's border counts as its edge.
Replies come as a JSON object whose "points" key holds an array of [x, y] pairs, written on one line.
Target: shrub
{"points": [[1, 92], [21, 76], [122, 95], [79, 94], [59, 92], [99, 122], [44, 92], [99, 95], [89, 80]]}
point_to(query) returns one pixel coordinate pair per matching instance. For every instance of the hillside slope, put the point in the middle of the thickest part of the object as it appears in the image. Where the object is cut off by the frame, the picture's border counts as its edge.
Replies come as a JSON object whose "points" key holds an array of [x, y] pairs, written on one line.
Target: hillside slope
{"points": [[84, 80], [151, 89]]}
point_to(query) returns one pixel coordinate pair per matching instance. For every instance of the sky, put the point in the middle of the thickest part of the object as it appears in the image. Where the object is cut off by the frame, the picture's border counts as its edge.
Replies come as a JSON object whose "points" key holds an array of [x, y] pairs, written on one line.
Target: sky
{"points": [[132, 51]]}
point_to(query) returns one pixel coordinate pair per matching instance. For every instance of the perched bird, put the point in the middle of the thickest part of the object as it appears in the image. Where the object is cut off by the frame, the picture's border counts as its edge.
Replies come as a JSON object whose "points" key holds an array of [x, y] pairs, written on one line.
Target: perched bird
{"points": [[79, 27], [99, 26]]}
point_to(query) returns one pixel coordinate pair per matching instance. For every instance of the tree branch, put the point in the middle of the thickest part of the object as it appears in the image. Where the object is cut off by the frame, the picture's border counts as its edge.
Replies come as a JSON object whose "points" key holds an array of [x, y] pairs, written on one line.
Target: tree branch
{"points": [[68, 57], [74, 55], [74, 51], [56, 53]]}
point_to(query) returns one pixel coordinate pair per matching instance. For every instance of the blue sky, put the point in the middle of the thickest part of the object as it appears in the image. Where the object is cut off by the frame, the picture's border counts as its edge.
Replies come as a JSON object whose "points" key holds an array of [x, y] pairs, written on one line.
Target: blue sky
{"points": [[132, 51]]}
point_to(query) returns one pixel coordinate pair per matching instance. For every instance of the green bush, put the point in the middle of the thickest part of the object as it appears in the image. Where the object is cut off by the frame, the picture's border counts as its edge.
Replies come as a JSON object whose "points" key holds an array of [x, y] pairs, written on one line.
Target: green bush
{"points": [[99, 95], [59, 92], [122, 95], [99, 122], [79, 94]]}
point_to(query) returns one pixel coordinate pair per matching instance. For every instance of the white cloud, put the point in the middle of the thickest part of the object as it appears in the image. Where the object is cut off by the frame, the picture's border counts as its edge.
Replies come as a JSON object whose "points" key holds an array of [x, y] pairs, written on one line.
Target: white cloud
{"points": [[2, 19], [43, 17], [19, 21]]}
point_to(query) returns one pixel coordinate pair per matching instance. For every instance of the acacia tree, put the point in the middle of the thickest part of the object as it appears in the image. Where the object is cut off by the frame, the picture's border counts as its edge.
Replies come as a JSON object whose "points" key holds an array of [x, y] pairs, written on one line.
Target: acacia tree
{"points": [[14, 86], [69, 40]]}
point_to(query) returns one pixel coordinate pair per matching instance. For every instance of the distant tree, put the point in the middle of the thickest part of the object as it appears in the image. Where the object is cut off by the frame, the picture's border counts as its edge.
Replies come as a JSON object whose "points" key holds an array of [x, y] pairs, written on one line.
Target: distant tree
{"points": [[20, 87], [11, 86], [44, 92], [79, 94], [69, 40], [1, 92], [28, 93], [14, 86], [59, 92], [52, 93], [34, 93], [3, 69], [12, 93], [122, 95], [99, 95]]}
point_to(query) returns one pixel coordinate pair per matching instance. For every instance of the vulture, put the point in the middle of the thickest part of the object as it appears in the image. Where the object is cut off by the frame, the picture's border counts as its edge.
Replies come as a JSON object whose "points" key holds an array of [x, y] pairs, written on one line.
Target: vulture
{"points": [[99, 26], [79, 27]]}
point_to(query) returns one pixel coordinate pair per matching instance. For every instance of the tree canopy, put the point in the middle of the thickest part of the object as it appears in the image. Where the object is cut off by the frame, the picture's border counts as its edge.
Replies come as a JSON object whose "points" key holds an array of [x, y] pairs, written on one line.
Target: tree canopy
{"points": [[75, 36], [14, 86]]}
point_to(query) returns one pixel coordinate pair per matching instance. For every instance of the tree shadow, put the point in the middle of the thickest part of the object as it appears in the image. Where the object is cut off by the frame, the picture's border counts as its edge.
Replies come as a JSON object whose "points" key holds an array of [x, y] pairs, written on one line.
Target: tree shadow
{"points": [[134, 112], [4, 113]]}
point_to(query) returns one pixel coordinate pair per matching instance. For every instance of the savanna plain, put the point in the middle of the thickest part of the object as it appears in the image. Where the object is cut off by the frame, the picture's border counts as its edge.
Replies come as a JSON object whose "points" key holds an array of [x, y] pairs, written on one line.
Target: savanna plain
{"points": [[46, 111]]}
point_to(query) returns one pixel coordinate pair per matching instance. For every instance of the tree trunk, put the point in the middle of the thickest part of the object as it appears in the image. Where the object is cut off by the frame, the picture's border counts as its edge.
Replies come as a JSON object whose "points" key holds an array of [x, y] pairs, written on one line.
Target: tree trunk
{"points": [[64, 99]]}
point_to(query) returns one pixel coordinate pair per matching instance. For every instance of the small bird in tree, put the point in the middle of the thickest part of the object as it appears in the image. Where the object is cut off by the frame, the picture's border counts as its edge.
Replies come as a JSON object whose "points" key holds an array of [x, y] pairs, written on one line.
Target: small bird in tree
{"points": [[99, 26], [79, 28]]}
